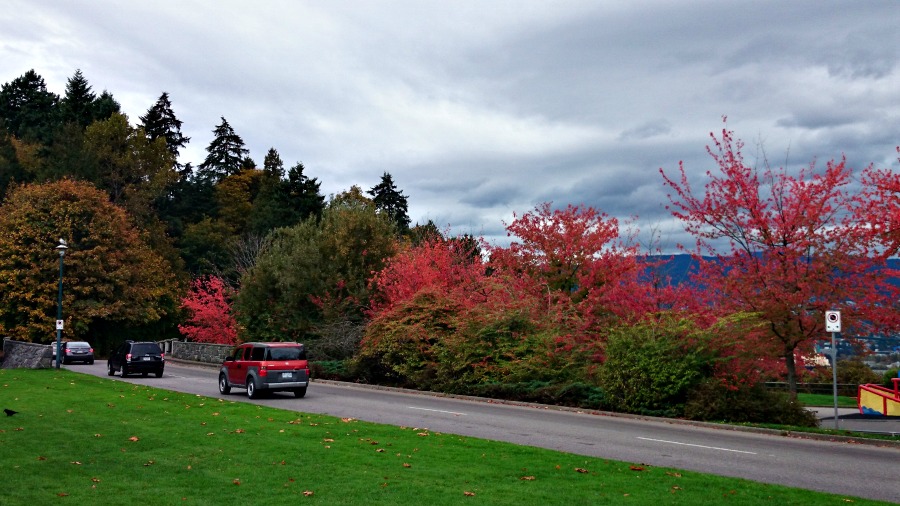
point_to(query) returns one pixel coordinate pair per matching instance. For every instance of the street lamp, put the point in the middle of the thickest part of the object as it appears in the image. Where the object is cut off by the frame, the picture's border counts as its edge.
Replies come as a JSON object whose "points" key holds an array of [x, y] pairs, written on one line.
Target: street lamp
{"points": [[59, 321]]}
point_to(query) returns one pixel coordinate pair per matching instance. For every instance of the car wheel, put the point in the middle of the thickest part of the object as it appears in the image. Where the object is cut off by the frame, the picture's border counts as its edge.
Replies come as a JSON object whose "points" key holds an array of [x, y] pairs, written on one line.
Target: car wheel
{"points": [[124, 371], [252, 392], [90, 362], [158, 374], [110, 370], [224, 387], [300, 392], [144, 374]]}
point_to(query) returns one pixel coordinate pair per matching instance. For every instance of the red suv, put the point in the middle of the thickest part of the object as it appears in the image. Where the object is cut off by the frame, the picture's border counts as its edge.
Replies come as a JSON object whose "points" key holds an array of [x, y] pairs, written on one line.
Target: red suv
{"points": [[262, 367]]}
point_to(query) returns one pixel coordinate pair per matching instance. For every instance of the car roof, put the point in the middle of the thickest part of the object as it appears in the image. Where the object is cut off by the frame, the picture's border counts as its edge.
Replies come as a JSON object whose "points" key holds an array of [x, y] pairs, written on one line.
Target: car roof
{"points": [[85, 343]]}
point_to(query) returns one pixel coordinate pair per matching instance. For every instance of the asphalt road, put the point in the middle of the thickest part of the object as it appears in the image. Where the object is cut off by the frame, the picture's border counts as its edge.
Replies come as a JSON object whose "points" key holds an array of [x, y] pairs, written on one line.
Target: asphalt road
{"points": [[845, 468]]}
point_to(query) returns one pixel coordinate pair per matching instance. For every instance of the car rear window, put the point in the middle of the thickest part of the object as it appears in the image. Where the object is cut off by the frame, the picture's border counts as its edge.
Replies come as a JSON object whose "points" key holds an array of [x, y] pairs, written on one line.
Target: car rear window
{"points": [[78, 345], [145, 349], [292, 353]]}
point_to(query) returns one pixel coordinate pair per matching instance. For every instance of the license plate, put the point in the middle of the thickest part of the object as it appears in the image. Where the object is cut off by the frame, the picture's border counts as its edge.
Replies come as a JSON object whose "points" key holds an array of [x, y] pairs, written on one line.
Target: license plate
{"points": [[287, 375], [147, 358]]}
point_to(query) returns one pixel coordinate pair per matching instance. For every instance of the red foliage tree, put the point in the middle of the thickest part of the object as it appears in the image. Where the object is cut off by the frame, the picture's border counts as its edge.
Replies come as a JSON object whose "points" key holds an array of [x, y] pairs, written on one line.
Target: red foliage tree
{"points": [[796, 247], [880, 206], [210, 318]]}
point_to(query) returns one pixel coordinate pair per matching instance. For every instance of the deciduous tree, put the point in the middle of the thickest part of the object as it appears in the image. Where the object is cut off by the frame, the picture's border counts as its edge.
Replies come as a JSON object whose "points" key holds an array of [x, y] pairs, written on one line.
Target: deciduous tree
{"points": [[785, 247], [209, 317], [114, 284]]}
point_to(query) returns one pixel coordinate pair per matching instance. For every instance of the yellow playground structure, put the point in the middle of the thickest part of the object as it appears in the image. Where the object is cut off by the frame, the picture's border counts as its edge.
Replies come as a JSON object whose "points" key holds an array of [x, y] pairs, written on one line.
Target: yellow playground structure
{"points": [[878, 400]]}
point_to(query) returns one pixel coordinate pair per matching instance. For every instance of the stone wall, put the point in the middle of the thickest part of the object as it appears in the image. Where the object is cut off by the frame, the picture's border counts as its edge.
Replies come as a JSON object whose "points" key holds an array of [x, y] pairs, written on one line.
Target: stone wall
{"points": [[20, 354], [196, 352]]}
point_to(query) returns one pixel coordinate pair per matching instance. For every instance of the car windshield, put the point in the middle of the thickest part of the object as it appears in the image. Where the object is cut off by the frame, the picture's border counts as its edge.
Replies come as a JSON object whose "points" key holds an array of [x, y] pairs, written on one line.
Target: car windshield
{"points": [[145, 349], [292, 353]]}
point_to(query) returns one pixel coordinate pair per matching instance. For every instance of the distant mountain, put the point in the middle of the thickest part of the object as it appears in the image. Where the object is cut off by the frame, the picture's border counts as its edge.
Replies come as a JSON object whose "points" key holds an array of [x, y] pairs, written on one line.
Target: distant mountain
{"points": [[679, 268]]}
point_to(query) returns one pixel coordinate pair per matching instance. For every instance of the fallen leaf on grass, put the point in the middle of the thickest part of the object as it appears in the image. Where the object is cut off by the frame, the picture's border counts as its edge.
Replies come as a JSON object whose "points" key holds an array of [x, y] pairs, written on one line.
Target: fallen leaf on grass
{"points": [[98, 435], [149, 463], [134, 438], [63, 494], [236, 481], [328, 440], [380, 450], [469, 494], [95, 480], [75, 462], [636, 468], [240, 431], [347, 420], [307, 493], [18, 429], [580, 470], [407, 464], [42, 458], [528, 478], [676, 475]]}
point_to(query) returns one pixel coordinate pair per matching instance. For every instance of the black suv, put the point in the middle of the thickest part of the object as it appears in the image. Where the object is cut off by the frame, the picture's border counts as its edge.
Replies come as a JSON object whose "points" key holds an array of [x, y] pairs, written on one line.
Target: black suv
{"points": [[137, 357]]}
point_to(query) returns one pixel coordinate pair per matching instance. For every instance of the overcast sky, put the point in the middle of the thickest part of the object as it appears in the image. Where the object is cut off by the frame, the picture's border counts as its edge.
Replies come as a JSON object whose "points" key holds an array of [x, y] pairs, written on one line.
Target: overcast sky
{"points": [[482, 109]]}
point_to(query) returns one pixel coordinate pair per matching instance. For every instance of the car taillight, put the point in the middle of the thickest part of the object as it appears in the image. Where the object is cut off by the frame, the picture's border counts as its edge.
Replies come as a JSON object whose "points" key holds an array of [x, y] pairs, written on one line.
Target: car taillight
{"points": [[262, 370], [162, 356], [128, 356], [92, 350]]}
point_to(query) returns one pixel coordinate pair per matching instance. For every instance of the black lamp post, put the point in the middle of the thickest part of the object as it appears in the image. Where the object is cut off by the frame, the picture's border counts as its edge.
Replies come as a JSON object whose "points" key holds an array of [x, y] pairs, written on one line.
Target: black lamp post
{"points": [[59, 321]]}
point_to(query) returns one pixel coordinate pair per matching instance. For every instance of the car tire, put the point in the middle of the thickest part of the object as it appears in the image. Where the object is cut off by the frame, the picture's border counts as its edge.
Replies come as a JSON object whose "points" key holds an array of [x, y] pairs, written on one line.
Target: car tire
{"points": [[90, 362], [224, 387], [300, 392], [124, 371], [145, 374], [109, 370], [252, 391], [158, 374]]}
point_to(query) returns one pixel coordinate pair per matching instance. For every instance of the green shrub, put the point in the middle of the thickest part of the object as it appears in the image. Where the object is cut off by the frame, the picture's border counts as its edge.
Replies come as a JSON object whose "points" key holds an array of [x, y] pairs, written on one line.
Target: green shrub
{"points": [[576, 394], [330, 369], [855, 372], [888, 376], [713, 401], [651, 368]]}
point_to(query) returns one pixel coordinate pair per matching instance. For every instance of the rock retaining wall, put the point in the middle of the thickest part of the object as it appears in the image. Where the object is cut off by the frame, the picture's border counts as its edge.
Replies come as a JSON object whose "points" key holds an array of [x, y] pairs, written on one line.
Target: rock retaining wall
{"points": [[196, 352], [20, 354]]}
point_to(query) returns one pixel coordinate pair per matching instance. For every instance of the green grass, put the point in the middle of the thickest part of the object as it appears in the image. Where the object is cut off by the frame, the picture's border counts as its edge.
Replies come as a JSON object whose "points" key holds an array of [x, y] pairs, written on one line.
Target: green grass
{"points": [[826, 400], [78, 439]]}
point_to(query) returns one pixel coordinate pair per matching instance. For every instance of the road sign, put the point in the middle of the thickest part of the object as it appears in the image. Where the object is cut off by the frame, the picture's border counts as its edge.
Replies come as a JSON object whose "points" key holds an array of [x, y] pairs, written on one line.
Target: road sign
{"points": [[59, 324], [832, 321]]}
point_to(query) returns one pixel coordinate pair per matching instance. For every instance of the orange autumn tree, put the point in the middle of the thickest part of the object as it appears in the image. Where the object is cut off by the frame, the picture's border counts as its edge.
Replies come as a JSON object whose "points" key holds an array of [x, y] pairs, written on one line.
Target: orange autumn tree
{"points": [[794, 247]]}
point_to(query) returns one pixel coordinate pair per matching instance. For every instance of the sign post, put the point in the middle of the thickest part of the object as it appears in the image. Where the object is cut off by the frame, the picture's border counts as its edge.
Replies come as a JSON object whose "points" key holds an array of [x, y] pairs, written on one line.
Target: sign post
{"points": [[833, 325]]}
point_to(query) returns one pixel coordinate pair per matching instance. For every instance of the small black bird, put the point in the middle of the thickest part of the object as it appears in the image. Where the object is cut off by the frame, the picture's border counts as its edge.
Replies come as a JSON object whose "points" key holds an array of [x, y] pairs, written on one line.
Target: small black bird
{"points": [[9, 412]]}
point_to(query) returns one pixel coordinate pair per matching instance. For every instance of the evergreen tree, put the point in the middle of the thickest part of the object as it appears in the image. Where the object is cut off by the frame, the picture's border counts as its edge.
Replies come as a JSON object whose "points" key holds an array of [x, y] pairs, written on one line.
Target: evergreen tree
{"points": [[11, 171], [272, 164], [105, 106], [77, 105], [302, 194], [160, 121], [226, 154], [28, 109], [392, 202]]}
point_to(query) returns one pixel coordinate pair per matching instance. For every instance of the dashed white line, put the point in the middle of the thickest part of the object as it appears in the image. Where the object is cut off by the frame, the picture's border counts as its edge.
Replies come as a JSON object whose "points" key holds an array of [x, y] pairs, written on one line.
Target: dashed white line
{"points": [[697, 446], [437, 411]]}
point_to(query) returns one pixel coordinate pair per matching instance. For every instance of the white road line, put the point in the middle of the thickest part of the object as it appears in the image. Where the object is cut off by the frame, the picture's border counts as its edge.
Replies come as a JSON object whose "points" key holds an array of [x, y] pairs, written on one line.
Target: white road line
{"points": [[698, 446], [437, 411]]}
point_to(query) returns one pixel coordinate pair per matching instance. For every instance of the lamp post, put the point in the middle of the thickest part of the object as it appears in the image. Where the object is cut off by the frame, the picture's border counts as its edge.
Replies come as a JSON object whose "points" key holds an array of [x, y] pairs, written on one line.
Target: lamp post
{"points": [[59, 321]]}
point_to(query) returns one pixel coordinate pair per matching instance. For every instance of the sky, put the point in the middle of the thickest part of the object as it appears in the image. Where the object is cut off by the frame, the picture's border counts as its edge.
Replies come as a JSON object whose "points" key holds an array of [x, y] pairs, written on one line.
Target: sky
{"points": [[482, 110]]}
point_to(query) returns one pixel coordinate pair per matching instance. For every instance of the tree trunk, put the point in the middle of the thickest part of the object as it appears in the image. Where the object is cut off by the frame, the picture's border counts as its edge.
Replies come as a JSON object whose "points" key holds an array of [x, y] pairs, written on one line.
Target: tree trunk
{"points": [[791, 372]]}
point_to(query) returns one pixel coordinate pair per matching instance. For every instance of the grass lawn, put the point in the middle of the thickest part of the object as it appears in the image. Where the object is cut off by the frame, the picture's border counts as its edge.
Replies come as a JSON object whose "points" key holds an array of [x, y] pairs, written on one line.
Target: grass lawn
{"points": [[78, 439], [820, 400]]}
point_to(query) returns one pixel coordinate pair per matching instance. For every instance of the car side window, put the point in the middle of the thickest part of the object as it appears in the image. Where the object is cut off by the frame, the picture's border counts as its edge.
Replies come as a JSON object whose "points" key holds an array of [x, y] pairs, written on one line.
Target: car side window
{"points": [[258, 354], [247, 353]]}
